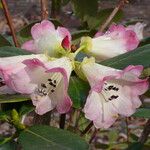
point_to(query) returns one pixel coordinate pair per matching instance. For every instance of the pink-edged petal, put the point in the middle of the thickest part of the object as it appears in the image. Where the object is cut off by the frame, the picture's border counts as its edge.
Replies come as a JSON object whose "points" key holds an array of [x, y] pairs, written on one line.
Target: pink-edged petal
{"points": [[64, 105], [30, 46], [40, 28], [43, 104], [132, 41], [63, 32], [138, 29], [65, 43], [96, 110]]}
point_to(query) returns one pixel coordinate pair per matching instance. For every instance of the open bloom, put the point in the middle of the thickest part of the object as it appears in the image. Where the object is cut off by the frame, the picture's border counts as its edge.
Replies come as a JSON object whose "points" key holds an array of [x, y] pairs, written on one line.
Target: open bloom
{"points": [[48, 39], [112, 92], [46, 81], [117, 40]]}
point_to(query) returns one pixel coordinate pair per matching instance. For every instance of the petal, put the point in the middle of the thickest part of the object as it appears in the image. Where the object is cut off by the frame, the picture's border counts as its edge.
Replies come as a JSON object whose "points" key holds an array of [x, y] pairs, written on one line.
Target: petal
{"points": [[41, 28], [30, 46], [96, 73], [117, 40], [63, 32], [43, 104], [138, 29], [6, 90], [65, 43], [15, 75], [103, 115]]}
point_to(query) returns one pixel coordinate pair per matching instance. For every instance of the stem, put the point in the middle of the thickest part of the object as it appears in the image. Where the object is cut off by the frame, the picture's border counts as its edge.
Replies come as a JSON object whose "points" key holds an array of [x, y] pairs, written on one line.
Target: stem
{"points": [[62, 121], [9, 20], [108, 20], [145, 133], [126, 119], [78, 50], [93, 136], [44, 9], [87, 128]]}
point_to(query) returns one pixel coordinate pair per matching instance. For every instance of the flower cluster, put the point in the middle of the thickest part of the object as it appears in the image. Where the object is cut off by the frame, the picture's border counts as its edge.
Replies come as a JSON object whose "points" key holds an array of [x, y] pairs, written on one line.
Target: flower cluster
{"points": [[45, 74]]}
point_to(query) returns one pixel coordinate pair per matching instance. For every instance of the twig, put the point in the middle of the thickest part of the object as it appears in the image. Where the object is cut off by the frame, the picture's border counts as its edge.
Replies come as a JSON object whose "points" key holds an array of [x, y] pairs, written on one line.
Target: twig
{"points": [[87, 128], [62, 121], [108, 20], [144, 136], [127, 128], [93, 135], [9, 20], [44, 9]]}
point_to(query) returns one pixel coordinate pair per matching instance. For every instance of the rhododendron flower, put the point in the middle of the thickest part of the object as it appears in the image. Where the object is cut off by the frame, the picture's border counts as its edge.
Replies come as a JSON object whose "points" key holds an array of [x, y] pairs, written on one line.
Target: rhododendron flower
{"points": [[48, 39], [112, 92], [117, 40], [46, 81]]}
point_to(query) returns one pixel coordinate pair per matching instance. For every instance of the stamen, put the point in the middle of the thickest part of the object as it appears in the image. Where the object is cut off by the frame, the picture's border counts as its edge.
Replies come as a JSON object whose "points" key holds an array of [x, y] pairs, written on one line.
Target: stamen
{"points": [[50, 85]]}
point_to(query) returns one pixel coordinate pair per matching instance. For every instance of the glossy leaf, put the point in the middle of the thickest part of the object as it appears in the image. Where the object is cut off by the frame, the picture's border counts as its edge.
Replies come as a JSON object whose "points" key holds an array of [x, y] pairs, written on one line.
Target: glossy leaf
{"points": [[140, 56], [8, 146], [145, 41], [13, 98], [135, 146], [46, 138], [4, 41], [8, 51], [142, 112], [78, 91], [84, 8]]}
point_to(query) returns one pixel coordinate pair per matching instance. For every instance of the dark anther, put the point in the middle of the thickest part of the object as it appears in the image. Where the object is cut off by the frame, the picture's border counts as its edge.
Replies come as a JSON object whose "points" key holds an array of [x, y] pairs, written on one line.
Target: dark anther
{"points": [[43, 85], [52, 90], [54, 81], [110, 87], [115, 88], [49, 79], [51, 83], [54, 85], [113, 97]]}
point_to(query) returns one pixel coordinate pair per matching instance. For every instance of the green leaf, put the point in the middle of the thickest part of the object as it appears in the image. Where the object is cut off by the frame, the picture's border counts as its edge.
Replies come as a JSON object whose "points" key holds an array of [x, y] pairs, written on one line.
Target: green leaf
{"points": [[25, 109], [142, 112], [65, 2], [50, 138], [4, 116], [135, 146], [9, 146], [78, 91], [145, 41], [139, 56], [97, 20], [84, 8], [8, 51], [13, 98], [4, 41]]}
